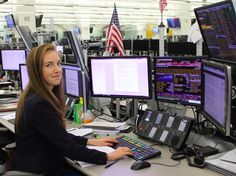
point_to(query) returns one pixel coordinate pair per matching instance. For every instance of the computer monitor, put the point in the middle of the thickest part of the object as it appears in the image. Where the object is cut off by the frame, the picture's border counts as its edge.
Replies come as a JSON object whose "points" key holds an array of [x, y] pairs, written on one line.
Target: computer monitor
{"points": [[127, 77], [38, 20], [24, 76], [11, 59], [181, 48], [178, 80], [72, 77], [10, 21], [140, 45], [59, 48], [217, 24], [76, 47], [216, 95], [27, 36], [154, 45], [173, 22]]}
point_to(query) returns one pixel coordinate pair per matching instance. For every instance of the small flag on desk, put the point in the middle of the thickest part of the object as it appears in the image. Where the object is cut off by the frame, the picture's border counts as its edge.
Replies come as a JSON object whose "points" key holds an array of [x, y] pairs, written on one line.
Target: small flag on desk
{"points": [[114, 37], [162, 5]]}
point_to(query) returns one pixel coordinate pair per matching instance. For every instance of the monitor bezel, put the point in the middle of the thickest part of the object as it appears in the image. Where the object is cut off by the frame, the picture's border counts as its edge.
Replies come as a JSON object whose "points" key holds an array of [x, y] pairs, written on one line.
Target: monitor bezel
{"points": [[224, 129], [80, 75], [175, 27], [38, 21], [13, 50], [12, 17], [20, 68], [123, 96], [204, 37], [175, 101]]}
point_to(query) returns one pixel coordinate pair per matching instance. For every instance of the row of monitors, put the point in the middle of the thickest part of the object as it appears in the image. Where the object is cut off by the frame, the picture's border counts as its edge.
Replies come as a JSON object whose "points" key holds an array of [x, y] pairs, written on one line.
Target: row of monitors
{"points": [[179, 80], [10, 59], [173, 48]]}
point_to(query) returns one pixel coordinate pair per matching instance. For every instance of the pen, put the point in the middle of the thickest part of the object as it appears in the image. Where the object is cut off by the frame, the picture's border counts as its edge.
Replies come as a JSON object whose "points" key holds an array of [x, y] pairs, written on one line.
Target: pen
{"points": [[233, 162], [110, 164]]}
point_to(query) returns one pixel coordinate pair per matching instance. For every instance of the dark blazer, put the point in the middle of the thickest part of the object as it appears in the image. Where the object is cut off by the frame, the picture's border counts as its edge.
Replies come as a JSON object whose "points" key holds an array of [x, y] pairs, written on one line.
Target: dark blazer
{"points": [[42, 143]]}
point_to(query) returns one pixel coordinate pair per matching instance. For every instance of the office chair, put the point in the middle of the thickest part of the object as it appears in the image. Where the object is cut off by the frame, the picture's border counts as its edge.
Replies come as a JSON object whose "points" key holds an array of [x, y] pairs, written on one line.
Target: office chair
{"points": [[5, 156]]}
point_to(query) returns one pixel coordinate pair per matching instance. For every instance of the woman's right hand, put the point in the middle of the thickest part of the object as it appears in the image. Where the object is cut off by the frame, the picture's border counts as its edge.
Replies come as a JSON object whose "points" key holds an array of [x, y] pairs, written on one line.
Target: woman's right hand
{"points": [[119, 153]]}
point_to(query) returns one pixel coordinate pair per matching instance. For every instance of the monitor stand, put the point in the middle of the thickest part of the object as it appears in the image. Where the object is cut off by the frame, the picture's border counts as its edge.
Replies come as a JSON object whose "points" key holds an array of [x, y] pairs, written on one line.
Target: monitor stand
{"points": [[132, 119]]}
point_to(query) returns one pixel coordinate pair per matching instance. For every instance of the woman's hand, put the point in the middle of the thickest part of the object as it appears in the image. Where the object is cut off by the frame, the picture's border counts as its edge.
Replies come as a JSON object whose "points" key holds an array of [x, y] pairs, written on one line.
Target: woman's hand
{"points": [[102, 141], [119, 153]]}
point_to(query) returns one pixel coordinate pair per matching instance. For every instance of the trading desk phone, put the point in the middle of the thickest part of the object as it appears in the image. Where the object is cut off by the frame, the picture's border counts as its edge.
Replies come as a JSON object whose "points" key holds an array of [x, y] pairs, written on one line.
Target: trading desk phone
{"points": [[164, 128]]}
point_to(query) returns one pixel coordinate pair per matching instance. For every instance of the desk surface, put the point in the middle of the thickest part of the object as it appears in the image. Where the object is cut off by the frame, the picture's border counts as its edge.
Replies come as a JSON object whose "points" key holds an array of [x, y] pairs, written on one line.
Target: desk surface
{"points": [[122, 167]]}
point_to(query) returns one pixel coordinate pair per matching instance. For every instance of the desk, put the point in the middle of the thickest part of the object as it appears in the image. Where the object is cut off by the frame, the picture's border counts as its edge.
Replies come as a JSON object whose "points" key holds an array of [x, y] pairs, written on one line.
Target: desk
{"points": [[122, 167]]}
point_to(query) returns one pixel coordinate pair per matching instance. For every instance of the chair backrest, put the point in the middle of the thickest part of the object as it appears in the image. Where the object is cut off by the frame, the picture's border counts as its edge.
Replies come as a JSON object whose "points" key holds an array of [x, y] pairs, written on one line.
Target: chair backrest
{"points": [[3, 156], [20, 173]]}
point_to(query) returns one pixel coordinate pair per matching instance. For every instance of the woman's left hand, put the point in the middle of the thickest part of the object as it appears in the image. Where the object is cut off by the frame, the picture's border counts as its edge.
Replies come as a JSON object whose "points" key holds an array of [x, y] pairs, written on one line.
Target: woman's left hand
{"points": [[108, 141]]}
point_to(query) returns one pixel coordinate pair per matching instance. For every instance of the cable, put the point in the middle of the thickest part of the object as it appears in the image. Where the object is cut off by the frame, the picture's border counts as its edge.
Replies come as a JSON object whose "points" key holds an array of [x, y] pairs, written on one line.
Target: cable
{"points": [[168, 165], [121, 120]]}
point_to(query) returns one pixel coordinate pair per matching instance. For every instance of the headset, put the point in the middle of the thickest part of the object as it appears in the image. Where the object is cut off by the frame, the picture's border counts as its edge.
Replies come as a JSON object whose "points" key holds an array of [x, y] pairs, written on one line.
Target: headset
{"points": [[187, 153]]}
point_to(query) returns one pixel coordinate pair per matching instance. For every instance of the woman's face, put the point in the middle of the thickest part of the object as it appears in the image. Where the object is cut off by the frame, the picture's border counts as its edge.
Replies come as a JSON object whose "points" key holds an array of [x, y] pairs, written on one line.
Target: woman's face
{"points": [[52, 69]]}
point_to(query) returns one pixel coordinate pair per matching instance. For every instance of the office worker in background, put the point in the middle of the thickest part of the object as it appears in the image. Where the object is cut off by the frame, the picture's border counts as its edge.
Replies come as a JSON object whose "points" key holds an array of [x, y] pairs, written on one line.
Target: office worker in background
{"points": [[42, 141]]}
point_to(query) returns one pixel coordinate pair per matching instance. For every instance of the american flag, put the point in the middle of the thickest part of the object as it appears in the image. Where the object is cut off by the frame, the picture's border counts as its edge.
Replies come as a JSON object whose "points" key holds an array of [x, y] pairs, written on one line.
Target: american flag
{"points": [[162, 5], [114, 37]]}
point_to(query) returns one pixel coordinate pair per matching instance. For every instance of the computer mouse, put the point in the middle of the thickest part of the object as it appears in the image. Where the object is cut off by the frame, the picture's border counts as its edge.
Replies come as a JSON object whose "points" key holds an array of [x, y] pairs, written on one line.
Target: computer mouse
{"points": [[137, 165]]}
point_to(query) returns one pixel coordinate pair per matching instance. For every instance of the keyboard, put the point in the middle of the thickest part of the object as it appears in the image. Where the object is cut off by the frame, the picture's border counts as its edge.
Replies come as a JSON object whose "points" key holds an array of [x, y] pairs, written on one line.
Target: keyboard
{"points": [[140, 151]]}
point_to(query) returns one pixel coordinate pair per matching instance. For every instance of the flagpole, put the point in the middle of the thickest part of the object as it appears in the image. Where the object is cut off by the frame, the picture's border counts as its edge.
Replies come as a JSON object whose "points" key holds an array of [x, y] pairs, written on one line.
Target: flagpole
{"points": [[161, 32]]}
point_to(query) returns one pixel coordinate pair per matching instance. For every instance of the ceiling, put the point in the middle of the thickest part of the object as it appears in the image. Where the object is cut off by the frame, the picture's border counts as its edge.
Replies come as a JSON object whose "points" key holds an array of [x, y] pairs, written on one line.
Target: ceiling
{"points": [[95, 12]]}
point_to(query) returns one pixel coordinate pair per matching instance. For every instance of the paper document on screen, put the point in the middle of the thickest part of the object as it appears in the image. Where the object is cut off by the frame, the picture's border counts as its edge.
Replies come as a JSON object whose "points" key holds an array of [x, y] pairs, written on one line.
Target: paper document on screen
{"points": [[105, 149]]}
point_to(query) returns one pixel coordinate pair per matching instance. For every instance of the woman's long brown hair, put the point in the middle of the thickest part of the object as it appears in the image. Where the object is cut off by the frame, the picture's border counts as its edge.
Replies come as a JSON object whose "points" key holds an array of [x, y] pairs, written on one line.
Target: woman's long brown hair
{"points": [[38, 85]]}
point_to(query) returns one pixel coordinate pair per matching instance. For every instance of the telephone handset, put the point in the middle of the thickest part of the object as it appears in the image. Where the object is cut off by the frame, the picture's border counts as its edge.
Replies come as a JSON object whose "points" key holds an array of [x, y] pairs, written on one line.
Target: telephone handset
{"points": [[164, 128], [70, 106]]}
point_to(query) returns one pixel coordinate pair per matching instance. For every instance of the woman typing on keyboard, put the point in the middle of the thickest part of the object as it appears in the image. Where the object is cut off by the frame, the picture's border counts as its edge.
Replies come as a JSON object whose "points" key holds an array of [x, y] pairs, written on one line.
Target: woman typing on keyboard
{"points": [[42, 141]]}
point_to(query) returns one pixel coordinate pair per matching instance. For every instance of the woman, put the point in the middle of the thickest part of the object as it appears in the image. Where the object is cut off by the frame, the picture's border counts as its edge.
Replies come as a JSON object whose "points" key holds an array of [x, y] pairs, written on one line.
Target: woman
{"points": [[41, 139]]}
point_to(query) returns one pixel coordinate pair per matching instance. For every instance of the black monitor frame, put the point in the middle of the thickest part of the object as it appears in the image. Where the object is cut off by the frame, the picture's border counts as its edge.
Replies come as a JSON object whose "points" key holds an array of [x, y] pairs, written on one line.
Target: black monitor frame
{"points": [[229, 56], [224, 128], [10, 18], [172, 100], [21, 76], [38, 21], [12, 50], [122, 96], [78, 69], [77, 50], [29, 40]]}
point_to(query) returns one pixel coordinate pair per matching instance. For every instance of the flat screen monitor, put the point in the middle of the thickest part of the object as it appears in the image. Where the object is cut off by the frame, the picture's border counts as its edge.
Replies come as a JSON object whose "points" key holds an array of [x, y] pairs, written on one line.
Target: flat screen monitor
{"points": [[59, 48], [178, 80], [38, 20], [10, 21], [140, 45], [216, 95], [173, 22], [24, 76], [11, 59], [217, 23], [154, 45], [27, 36], [181, 48], [72, 77], [127, 77], [127, 44]]}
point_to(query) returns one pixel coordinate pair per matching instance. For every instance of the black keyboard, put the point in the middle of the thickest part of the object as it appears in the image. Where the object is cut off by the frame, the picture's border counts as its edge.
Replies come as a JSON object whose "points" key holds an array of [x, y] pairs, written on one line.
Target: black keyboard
{"points": [[140, 151]]}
